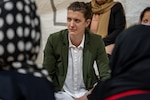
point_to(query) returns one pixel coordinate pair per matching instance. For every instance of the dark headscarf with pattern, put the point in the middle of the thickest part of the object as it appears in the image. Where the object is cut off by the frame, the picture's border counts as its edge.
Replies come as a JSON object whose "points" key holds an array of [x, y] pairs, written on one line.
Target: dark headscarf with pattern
{"points": [[20, 34]]}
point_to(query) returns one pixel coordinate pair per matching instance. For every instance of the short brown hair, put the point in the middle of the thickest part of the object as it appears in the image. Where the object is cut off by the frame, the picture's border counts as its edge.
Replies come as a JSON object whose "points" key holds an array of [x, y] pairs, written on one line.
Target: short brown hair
{"points": [[81, 7]]}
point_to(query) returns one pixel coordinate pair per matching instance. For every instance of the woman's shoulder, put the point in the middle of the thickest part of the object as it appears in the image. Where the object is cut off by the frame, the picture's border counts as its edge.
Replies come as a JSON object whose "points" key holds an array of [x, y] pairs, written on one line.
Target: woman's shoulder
{"points": [[93, 36], [58, 34], [117, 7]]}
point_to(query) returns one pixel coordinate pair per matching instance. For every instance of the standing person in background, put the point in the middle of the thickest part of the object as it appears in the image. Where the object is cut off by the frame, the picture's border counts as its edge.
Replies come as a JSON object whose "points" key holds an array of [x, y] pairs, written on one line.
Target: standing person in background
{"points": [[69, 56], [108, 21], [145, 16], [20, 34]]}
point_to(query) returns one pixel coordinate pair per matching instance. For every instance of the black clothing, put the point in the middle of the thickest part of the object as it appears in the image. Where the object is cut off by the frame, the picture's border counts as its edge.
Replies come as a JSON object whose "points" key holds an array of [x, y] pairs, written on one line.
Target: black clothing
{"points": [[17, 86], [130, 64]]}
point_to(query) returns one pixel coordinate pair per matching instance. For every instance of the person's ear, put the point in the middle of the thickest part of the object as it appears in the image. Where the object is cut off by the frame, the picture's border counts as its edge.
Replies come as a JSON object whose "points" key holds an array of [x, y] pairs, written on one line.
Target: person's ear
{"points": [[88, 21]]}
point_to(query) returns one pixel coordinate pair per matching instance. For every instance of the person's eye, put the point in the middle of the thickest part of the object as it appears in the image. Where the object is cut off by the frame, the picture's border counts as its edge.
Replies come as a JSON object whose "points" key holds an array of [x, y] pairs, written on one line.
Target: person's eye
{"points": [[145, 21], [77, 21], [68, 19]]}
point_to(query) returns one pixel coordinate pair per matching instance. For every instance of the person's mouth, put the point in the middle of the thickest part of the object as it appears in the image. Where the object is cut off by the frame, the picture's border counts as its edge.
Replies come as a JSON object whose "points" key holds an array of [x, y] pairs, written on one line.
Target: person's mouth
{"points": [[72, 30]]}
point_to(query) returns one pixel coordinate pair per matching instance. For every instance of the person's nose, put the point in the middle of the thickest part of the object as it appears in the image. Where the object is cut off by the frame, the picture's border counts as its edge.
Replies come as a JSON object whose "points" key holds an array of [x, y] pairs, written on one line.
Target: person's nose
{"points": [[72, 23]]}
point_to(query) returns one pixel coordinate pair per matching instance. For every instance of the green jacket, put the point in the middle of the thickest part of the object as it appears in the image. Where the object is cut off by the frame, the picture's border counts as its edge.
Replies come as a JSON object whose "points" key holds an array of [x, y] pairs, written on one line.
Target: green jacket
{"points": [[56, 58]]}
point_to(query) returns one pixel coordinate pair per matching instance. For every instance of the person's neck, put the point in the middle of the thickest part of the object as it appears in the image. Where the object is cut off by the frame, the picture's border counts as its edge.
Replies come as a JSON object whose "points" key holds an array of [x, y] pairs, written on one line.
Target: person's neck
{"points": [[76, 40]]}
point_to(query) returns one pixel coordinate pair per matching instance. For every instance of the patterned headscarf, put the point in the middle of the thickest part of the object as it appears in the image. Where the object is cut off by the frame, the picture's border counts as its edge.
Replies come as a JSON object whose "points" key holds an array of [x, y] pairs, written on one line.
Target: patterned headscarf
{"points": [[20, 34]]}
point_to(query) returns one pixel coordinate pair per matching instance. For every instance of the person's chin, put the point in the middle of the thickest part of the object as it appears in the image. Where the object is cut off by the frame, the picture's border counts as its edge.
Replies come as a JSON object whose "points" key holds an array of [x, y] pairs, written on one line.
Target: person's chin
{"points": [[73, 34]]}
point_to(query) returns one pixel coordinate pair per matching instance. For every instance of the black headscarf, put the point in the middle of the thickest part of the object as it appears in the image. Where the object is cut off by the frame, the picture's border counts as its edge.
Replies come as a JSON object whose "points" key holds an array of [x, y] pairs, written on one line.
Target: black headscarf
{"points": [[131, 49], [130, 64], [20, 34], [130, 61]]}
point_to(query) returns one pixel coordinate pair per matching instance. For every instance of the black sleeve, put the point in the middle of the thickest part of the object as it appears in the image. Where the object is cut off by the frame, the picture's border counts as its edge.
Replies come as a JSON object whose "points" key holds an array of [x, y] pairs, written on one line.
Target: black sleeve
{"points": [[97, 93], [117, 23]]}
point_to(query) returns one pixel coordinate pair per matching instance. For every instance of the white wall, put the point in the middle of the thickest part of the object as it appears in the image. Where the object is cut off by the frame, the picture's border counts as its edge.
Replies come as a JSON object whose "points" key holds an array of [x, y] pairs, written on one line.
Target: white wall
{"points": [[133, 9]]}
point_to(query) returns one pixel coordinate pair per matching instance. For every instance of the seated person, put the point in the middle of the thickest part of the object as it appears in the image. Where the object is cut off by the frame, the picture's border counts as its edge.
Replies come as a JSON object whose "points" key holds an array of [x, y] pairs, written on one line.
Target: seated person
{"points": [[69, 56], [145, 16], [20, 32], [130, 68], [108, 20]]}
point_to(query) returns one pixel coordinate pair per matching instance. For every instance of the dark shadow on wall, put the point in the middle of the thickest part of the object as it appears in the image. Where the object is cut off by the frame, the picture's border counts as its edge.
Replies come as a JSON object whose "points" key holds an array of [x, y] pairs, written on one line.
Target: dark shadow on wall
{"points": [[55, 14]]}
